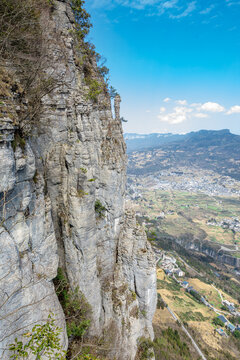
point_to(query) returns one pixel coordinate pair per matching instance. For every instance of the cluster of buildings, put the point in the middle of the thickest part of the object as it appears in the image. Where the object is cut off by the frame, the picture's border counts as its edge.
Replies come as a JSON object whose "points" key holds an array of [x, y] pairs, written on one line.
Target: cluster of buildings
{"points": [[169, 180], [231, 308], [169, 265], [189, 289], [232, 223], [227, 325]]}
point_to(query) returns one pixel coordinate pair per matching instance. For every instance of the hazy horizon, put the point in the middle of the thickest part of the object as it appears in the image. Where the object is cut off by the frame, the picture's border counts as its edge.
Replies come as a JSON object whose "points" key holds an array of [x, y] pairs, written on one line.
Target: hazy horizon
{"points": [[179, 133]]}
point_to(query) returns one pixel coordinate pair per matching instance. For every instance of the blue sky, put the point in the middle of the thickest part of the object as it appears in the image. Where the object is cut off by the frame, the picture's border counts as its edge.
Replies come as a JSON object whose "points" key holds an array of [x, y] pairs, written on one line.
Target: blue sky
{"points": [[175, 63]]}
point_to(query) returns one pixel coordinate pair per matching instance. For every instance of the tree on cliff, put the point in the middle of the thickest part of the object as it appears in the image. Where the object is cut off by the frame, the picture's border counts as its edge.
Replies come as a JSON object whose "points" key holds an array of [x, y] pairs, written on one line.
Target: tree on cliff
{"points": [[42, 340]]}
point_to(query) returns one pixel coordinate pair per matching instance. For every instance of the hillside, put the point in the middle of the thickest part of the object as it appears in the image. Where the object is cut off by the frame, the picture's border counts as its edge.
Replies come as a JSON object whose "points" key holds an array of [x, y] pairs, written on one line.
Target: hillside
{"points": [[195, 311], [207, 150], [190, 190], [144, 141]]}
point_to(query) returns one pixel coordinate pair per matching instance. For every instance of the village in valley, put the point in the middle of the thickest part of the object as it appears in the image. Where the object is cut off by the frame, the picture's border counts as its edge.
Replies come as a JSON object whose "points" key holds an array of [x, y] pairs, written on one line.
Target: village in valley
{"points": [[169, 270], [191, 213]]}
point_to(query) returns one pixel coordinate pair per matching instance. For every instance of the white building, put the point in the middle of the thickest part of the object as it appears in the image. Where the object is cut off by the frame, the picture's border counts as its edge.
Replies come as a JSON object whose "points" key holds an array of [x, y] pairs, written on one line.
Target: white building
{"points": [[179, 273]]}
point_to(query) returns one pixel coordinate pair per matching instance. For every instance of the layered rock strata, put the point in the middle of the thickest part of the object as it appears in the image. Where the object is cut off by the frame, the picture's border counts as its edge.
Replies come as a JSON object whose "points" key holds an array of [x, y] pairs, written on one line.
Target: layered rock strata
{"points": [[62, 205]]}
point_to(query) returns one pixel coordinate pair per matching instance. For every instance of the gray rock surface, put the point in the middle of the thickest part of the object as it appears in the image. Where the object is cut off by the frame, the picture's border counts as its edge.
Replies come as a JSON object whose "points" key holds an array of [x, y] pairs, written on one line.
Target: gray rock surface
{"points": [[28, 257], [74, 159]]}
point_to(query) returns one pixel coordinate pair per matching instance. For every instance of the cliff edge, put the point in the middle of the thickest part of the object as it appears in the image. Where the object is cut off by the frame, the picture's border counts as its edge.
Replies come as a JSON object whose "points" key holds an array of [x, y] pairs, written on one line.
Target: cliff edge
{"points": [[62, 171]]}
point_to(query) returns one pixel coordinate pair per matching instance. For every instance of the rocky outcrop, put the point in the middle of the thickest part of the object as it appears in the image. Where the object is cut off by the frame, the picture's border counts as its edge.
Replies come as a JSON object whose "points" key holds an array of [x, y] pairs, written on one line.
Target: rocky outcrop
{"points": [[28, 257], [221, 253], [62, 204]]}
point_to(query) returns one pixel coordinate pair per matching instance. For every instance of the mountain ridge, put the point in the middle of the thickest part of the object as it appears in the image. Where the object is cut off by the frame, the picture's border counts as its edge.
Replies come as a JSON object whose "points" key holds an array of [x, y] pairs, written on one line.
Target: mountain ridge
{"points": [[137, 142], [205, 149]]}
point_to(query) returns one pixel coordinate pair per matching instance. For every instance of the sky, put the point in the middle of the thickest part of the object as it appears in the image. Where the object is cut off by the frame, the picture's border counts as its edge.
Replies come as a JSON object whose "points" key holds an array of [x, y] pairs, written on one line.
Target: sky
{"points": [[175, 63]]}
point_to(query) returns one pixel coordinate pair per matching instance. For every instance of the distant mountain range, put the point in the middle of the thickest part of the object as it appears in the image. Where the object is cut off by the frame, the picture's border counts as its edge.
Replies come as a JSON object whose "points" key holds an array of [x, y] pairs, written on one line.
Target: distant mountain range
{"points": [[147, 141], [205, 149], [144, 141]]}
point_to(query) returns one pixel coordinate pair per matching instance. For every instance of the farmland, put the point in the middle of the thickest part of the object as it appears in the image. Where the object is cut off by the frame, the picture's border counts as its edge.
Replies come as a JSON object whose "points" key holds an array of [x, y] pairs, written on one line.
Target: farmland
{"points": [[197, 215], [196, 317]]}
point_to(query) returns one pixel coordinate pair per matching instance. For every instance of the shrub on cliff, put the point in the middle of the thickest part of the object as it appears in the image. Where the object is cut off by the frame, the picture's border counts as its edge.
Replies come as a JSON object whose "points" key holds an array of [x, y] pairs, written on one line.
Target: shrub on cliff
{"points": [[82, 18], [99, 208], [23, 55], [44, 341], [19, 27], [41, 341], [75, 307]]}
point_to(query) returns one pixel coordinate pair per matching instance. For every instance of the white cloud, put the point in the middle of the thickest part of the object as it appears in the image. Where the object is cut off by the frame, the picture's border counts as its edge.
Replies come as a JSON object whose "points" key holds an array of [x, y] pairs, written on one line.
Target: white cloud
{"points": [[134, 4], [234, 110], [207, 10], [196, 104], [190, 8], [166, 100], [211, 107], [180, 109], [200, 115], [184, 111], [152, 7], [230, 3], [148, 111], [169, 4], [181, 102], [179, 115]]}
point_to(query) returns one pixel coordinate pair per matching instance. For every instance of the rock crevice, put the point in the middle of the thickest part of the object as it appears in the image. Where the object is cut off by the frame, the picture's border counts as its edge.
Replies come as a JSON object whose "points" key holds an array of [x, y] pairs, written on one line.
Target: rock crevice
{"points": [[62, 205]]}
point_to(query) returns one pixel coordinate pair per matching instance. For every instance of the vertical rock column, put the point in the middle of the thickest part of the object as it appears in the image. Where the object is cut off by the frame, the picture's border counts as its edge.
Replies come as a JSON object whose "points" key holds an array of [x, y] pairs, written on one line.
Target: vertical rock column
{"points": [[117, 101]]}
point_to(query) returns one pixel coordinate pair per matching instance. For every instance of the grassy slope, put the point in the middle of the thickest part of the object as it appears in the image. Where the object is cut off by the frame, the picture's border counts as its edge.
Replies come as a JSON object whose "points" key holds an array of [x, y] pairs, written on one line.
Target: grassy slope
{"points": [[191, 213], [197, 317]]}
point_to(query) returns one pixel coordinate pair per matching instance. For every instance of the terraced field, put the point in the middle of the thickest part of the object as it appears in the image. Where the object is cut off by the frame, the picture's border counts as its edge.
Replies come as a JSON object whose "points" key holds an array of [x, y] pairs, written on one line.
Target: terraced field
{"points": [[196, 215]]}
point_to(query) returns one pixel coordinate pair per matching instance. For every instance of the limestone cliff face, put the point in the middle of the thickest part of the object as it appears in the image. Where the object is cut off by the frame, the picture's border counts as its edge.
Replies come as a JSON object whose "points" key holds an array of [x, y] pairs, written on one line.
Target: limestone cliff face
{"points": [[52, 187], [220, 253]]}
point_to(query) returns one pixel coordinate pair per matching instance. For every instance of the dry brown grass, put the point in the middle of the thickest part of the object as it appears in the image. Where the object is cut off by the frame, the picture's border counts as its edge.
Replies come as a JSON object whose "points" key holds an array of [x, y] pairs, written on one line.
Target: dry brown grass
{"points": [[202, 331]]}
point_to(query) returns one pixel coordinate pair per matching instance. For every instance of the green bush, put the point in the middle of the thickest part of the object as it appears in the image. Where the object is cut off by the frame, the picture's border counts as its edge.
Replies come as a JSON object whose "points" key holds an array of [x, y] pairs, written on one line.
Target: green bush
{"points": [[18, 141], [95, 88], [196, 295], [112, 92], [82, 18], [75, 306], [216, 321], [41, 341], [77, 330], [171, 286], [170, 346], [99, 208], [81, 193], [236, 334], [133, 295], [145, 349], [84, 170], [160, 302]]}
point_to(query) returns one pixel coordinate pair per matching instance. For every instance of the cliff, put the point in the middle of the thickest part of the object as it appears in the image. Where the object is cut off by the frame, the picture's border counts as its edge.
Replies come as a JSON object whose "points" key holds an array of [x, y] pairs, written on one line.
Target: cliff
{"points": [[220, 253], [62, 188]]}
